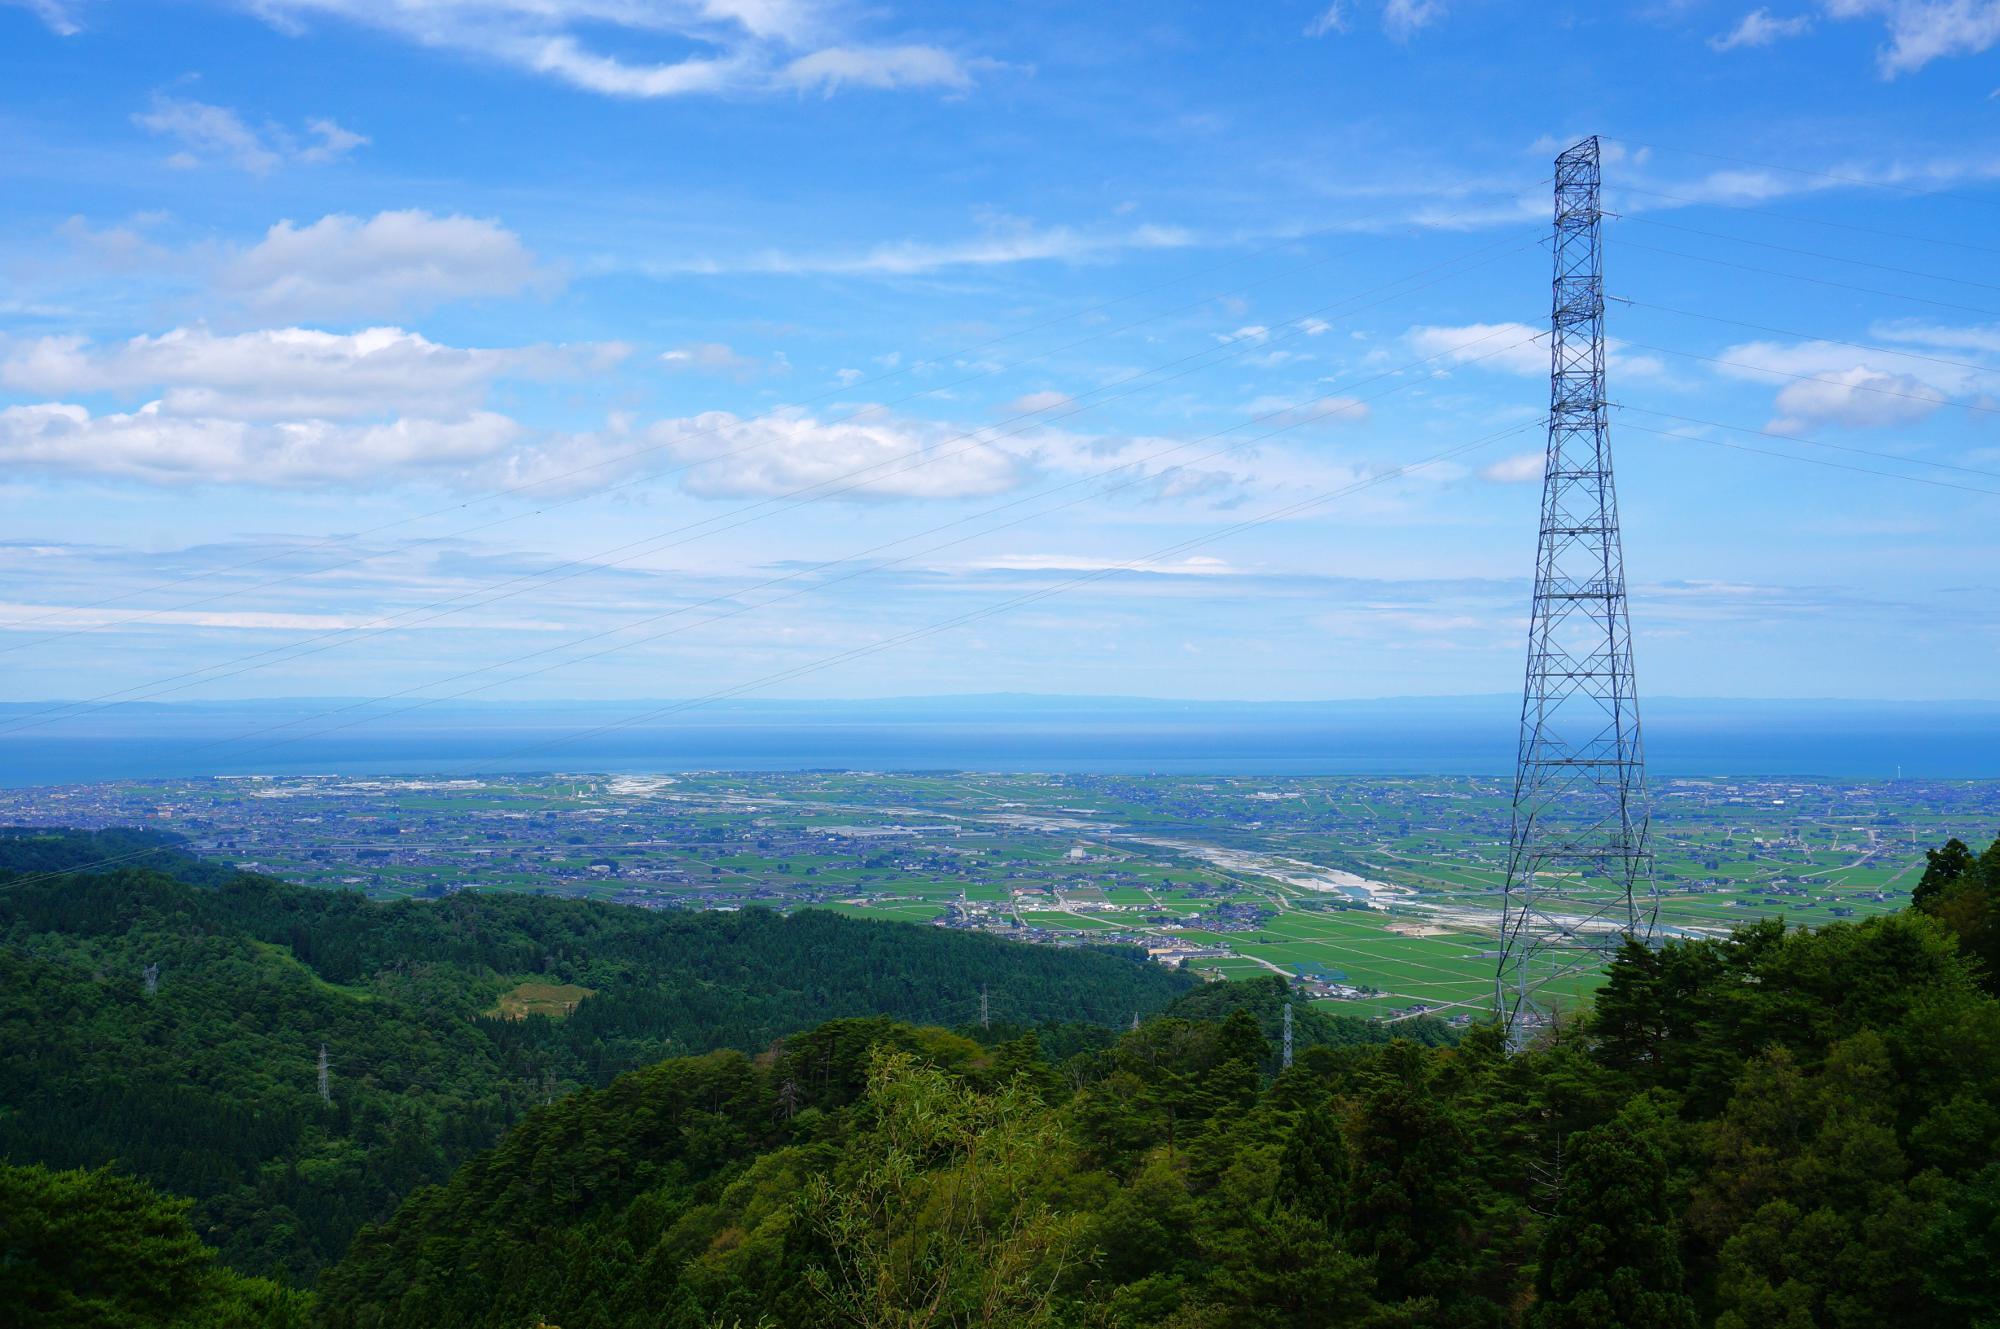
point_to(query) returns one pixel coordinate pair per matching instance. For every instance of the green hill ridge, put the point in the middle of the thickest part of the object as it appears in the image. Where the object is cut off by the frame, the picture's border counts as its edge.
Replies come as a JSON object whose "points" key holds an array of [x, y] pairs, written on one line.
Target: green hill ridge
{"points": [[208, 1086]]}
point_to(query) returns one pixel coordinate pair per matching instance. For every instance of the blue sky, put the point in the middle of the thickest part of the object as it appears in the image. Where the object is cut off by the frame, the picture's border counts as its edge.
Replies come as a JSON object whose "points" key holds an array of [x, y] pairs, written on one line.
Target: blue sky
{"points": [[601, 348]]}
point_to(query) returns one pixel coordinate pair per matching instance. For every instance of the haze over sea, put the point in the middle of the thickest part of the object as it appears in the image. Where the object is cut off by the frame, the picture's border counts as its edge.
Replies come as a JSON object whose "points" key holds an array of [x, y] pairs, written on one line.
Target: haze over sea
{"points": [[1396, 736]]}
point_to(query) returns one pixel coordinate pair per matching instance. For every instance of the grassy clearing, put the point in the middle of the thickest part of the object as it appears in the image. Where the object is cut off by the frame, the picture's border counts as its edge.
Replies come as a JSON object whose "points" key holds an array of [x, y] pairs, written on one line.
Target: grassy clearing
{"points": [[532, 998]]}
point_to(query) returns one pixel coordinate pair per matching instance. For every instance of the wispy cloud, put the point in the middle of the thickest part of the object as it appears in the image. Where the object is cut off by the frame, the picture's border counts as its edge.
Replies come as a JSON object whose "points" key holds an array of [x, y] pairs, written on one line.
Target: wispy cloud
{"points": [[287, 373], [1401, 19], [870, 456], [42, 618], [1012, 242], [60, 15], [1921, 31], [1331, 19], [208, 133], [741, 46], [154, 446], [1519, 469], [1032, 403], [1512, 348], [1759, 28], [714, 357], [1746, 185], [1194, 565]]}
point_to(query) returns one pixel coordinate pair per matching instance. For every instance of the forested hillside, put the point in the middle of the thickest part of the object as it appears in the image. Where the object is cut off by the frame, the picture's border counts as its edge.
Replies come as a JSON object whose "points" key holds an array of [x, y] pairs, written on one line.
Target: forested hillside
{"points": [[97, 1250], [1783, 1129], [1788, 1129], [208, 1085]]}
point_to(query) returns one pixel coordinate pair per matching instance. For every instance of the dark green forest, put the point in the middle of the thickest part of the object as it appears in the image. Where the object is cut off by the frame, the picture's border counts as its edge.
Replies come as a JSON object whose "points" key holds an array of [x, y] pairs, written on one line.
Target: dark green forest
{"points": [[1782, 1129], [207, 1087], [1785, 1128]]}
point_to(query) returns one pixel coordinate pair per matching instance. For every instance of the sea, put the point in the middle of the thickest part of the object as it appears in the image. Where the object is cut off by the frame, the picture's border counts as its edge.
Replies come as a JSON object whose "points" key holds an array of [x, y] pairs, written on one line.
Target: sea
{"points": [[51, 743]]}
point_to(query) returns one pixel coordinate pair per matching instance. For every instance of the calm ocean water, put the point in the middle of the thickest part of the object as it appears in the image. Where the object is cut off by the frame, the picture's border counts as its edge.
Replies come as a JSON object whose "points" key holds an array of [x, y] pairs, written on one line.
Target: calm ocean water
{"points": [[1442, 736]]}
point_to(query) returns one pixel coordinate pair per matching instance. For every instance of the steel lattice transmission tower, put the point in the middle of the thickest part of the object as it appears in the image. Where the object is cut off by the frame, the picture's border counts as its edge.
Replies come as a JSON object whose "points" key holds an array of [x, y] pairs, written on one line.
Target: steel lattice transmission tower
{"points": [[1579, 874]]}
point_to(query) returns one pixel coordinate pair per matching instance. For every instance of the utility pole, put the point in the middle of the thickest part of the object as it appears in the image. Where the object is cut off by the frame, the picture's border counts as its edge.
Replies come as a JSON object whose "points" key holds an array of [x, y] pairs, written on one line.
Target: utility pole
{"points": [[325, 1084], [1579, 873], [152, 975], [1288, 1033], [985, 1009]]}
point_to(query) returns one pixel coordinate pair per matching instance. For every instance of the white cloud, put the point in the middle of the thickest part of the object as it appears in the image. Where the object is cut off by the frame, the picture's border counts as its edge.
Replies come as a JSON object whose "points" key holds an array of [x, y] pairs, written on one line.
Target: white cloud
{"points": [[1288, 411], [334, 142], [1331, 19], [1984, 339], [60, 15], [154, 446], [1856, 398], [738, 46], [562, 57], [1196, 565], [714, 357], [1515, 348], [281, 407], [1829, 384], [1403, 19], [41, 618], [215, 133], [287, 373], [1518, 469], [1758, 28], [1509, 347], [1751, 185], [1921, 31], [876, 67], [123, 247], [1036, 402], [388, 264], [778, 454], [1012, 242]]}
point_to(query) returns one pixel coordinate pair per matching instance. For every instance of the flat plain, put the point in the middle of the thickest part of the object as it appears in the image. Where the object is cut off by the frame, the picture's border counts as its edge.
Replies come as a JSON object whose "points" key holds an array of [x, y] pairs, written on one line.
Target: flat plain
{"points": [[1381, 894]]}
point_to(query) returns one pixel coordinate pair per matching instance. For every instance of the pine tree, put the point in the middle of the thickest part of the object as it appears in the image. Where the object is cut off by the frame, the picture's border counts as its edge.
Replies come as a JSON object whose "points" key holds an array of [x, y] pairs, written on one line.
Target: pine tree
{"points": [[1313, 1171], [1611, 1253]]}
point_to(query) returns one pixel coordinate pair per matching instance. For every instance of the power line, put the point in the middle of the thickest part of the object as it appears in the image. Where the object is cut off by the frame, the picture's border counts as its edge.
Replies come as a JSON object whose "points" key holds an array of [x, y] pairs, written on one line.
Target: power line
{"points": [[1860, 181], [36, 878], [1817, 378], [653, 544], [1814, 442], [1808, 253], [1808, 221], [1809, 336], [1812, 461], [1816, 281]]}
